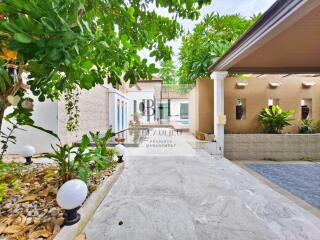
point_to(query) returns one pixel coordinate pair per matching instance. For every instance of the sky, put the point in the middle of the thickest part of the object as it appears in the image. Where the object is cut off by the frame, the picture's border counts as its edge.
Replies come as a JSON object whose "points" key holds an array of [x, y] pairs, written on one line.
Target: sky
{"points": [[245, 8]]}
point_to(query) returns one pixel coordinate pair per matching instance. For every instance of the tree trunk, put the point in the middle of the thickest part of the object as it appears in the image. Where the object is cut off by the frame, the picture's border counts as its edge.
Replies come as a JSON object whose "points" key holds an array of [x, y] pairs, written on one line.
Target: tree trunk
{"points": [[3, 107]]}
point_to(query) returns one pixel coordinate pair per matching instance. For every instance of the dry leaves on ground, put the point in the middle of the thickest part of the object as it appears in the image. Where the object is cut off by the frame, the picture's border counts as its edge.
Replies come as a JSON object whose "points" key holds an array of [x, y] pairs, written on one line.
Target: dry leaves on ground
{"points": [[31, 212]]}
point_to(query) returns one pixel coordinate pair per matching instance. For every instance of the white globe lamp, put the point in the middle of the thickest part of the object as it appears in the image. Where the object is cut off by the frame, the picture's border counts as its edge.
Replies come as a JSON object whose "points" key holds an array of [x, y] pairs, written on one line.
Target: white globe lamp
{"points": [[27, 152], [120, 152], [70, 197]]}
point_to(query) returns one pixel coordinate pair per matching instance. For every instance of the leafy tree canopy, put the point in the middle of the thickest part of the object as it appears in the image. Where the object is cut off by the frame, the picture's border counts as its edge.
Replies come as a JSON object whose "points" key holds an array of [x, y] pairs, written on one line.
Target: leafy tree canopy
{"points": [[168, 73], [209, 40], [68, 43]]}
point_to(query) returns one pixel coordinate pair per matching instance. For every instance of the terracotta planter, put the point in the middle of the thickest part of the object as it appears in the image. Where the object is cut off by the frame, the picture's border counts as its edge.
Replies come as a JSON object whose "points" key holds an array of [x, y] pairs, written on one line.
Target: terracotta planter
{"points": [[200, 136], [120, 140]]}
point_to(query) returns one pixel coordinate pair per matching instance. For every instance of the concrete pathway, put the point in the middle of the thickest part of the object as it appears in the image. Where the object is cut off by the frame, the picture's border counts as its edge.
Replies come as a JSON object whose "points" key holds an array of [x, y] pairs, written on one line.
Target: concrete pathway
{"points": [[195, 197]]}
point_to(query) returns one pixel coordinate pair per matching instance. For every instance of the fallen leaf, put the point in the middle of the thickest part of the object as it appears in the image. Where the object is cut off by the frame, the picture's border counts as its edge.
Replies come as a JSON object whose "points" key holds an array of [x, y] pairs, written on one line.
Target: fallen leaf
{"points": [[81, 237], [49, 227], [2, 227], [28, 198], [36, 220], [19, 220], [13, 229], [21, 237], [39, 233], [58, 221], [32, 189], [56, 229], [45, 193], [107, 173], [8, 221]]}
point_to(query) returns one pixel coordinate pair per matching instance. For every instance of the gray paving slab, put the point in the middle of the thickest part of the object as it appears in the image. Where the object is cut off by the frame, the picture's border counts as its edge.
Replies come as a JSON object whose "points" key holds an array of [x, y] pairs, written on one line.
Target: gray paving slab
{"points": [[196, 197]]}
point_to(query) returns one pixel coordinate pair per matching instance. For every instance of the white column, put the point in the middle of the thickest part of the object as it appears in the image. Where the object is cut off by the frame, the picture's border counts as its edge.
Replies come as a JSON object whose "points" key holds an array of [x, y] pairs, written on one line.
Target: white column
{"points": [[219, 117]]}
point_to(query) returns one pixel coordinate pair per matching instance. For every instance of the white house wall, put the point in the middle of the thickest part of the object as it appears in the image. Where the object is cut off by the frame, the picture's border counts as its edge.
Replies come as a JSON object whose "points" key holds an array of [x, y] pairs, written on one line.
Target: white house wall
{"points": [[175, 108], [94, 115], [45, 115], [114, 96], [140, 96]]}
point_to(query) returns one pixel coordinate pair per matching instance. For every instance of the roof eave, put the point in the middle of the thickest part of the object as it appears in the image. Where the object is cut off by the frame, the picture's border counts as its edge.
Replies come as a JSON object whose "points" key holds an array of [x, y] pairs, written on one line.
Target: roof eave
{"points": [[268, 21]]}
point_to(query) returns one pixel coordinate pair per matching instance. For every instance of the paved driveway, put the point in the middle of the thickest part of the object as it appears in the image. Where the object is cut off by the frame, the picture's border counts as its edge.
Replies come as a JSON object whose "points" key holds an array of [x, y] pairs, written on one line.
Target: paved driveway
{"points": [[196, 197]]}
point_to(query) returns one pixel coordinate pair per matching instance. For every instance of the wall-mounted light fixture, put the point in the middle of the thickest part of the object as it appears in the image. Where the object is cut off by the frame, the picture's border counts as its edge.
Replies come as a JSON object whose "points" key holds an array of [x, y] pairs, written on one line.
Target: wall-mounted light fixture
{"points": [[308, 84], [273, 84], [241, 84]]}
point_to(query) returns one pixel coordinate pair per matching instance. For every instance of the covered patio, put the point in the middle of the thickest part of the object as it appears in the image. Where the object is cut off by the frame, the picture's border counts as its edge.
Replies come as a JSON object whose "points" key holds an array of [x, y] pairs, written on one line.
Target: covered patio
{"points": [[284, 41]]}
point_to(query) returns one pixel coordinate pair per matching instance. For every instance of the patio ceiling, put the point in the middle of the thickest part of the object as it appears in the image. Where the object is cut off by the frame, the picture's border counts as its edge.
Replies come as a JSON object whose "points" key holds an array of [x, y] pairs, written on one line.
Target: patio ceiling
{"points": [[285, 40]]}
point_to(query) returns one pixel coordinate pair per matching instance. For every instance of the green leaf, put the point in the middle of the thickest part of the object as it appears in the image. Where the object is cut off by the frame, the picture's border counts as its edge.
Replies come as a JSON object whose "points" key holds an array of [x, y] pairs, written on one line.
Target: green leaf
{"points": [[2, 86], [23, 38], [83, 173], [87, 65], [45, 130], [125, 41], [85, 141], [131, 11]]}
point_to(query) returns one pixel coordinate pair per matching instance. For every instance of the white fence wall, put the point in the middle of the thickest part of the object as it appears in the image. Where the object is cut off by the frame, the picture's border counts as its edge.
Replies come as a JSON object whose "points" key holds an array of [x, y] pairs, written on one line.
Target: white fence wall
{"points": [[45, 115]]}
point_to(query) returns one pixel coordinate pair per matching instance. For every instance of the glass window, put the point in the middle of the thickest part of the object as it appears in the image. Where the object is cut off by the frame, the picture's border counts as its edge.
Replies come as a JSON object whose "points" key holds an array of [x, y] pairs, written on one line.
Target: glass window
{"points": [[240, 109], [148, 110], [163, 110], [134, 106], [122, 115], [184, 110], [118, 115]]}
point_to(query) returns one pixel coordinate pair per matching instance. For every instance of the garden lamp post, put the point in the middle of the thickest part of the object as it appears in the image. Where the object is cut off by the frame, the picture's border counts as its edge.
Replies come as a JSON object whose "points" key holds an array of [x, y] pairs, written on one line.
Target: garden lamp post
{"points": [[70, 197], [27, 152], [120, 152]]}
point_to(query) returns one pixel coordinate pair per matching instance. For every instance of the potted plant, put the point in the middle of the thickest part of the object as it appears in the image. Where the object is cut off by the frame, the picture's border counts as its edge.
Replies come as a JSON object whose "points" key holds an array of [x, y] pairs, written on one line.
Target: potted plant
{"points": [[200, 135], [136, 118]]}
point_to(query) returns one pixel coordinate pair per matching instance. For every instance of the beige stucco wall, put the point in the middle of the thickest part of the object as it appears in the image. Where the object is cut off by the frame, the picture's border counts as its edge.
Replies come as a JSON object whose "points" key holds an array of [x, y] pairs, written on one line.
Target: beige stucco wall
{"points": [[256, 95], [193, 119], [201, 106], [93, 105]]}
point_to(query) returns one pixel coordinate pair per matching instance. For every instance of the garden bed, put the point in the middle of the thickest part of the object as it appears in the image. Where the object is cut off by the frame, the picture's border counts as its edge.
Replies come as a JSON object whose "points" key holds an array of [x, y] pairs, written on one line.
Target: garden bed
{"points": [[29, 210]]}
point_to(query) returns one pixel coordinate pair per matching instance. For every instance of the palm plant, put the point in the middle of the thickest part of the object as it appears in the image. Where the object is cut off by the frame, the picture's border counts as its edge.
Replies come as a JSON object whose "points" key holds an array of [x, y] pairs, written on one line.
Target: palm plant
{"points": [[274, 120]]}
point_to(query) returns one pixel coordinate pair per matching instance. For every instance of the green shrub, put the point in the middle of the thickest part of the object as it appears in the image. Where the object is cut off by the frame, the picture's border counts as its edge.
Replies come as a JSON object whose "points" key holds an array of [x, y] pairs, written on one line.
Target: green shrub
{"points": [[317, 127], [3, 190], [86, 159], [9, 177], [274, 120], [307, 126]]}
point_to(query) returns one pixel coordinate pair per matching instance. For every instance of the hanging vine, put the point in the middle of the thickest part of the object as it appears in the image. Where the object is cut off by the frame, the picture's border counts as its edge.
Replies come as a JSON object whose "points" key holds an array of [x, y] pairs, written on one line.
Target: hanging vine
{"points": [[71, 97]]}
